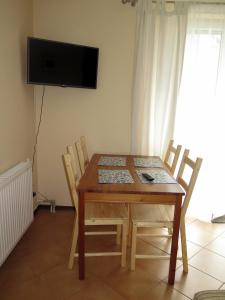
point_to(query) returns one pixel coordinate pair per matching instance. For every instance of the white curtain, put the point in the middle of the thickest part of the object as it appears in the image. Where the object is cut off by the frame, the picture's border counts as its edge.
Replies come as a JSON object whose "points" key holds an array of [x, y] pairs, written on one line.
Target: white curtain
{"points": [[161, 31], [200, 120]]}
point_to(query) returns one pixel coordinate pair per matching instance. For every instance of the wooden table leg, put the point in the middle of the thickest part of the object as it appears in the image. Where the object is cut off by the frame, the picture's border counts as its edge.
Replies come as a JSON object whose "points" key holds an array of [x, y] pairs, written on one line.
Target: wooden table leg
{"points": [[81, 238], [175, 238]]}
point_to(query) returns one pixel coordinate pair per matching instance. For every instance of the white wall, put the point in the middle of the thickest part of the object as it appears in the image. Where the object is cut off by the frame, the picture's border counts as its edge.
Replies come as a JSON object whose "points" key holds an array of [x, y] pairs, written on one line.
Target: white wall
{"points": [[16, 97], [102, 115]]}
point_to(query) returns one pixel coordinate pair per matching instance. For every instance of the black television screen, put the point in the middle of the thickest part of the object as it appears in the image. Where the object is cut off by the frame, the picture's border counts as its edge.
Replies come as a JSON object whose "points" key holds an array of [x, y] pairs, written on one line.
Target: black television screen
{"points": [[61, 64]]}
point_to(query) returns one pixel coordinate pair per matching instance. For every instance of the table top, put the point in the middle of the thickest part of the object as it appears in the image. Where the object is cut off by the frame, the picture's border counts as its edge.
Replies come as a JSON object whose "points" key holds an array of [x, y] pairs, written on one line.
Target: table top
{"points": [[89, 180]]}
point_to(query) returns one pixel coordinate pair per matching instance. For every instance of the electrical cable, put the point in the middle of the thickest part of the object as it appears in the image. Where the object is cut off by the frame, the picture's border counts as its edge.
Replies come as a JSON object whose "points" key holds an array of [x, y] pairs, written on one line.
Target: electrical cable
{"points": [[39, 124], [44, 198]]}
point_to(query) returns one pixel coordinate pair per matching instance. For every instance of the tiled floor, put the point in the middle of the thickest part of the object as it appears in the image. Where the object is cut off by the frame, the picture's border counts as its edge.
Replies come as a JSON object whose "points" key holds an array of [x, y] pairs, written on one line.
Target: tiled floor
{"points": [[37, 268]]}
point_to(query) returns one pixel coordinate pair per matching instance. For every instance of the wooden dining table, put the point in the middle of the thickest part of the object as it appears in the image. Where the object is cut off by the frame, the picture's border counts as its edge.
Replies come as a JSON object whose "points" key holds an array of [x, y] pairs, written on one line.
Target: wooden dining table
{"points": [[89, 190]]}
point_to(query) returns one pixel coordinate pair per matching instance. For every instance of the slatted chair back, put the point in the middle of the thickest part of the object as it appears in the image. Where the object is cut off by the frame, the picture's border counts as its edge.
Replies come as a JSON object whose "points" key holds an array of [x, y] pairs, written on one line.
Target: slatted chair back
{"points": [[84, 149], [188, 186], [82, 154], [172, 156], [73, 162], [71, 181]]}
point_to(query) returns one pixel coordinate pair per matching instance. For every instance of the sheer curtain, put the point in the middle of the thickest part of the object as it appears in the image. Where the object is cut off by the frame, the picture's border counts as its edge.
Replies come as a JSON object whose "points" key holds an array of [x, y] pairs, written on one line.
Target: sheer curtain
{"points": [[200, 118], [161, 31]]}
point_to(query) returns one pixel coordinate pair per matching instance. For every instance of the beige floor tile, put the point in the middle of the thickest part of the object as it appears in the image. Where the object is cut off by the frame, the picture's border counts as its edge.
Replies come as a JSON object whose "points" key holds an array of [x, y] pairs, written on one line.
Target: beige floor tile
{"points": [[63, 282], [165, 245], [189, 219], [132, 284], [14, 274], [101, 243], [144, 247], [37, 268], [164, 291], [136, 284], [194, 281], [217, 246], [198, 234], [192, 249], [207, 226], [39, 262], [154, 267], [103, 266], [32, 289], [210, 263], [96, 290]]}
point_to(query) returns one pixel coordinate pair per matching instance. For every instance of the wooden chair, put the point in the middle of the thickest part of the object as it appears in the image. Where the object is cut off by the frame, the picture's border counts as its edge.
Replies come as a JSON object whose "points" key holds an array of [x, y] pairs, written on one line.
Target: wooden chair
{"points": [[74, 166], [82, 154], [159, 216], [172, 156], [95, 214]]}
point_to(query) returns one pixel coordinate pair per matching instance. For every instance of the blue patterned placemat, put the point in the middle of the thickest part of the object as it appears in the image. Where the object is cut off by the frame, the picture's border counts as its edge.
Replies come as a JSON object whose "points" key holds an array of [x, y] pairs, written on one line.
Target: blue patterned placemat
{"points": [[112, 161], [159, 175], [152, 162], [114, 176]]}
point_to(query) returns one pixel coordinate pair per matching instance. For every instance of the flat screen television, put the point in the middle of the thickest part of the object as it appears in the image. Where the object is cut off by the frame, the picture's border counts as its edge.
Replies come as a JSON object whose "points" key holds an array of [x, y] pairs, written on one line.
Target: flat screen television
{"points": [[61, 64]]}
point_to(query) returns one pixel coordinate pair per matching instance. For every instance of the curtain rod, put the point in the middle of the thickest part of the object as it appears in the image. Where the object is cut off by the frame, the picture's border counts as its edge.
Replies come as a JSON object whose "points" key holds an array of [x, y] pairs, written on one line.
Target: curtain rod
{"points": [[133, 2]]}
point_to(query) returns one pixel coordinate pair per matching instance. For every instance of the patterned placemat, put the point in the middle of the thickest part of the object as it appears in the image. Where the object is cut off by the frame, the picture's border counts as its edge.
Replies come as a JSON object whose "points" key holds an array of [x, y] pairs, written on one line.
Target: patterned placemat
{"points": [[152, 162], [114, 176], [159, 175], [112, 161]]}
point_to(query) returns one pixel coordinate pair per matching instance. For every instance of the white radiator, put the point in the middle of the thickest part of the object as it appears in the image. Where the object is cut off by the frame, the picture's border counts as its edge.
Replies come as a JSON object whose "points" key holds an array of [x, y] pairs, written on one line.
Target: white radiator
{"points": [[16, 206]]}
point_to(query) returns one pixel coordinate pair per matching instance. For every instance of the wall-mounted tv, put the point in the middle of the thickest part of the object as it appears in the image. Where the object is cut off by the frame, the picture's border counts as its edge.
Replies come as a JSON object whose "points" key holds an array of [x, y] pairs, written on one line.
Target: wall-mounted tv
{"points": [[61, 64]]}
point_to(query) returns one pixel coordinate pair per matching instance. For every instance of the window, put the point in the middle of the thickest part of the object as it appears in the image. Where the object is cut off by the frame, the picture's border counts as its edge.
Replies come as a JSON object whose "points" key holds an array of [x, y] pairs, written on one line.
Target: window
{"points": [[200, 117]]}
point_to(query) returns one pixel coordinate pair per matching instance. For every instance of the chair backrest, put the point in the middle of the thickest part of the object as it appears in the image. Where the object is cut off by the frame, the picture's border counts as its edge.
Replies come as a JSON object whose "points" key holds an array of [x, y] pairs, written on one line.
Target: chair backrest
{"points": [[73, 161], [82, 154], [84, 149], [71, 181], [172, 156], [188, 186]]}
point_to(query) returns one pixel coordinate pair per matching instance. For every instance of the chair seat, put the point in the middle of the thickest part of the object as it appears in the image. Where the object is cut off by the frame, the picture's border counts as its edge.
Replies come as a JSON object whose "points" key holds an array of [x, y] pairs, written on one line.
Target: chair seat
{"points": [[105, 211], [152, 213]]}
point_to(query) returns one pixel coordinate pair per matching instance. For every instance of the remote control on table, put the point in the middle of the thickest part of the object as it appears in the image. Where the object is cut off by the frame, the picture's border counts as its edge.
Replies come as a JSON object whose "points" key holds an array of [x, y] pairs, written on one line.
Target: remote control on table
{"points": [[147, 176]]}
